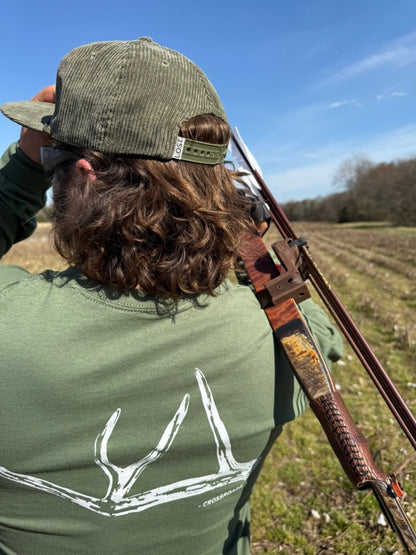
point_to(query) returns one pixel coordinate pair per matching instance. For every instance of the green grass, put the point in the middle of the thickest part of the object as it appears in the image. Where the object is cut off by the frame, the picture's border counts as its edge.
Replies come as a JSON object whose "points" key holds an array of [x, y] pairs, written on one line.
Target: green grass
{"points": [[303, 502]]}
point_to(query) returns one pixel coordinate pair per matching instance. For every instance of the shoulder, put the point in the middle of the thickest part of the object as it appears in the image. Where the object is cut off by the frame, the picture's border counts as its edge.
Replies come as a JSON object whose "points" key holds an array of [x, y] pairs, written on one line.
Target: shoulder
{"points": [[240, 298], [11, 275], [14, 280], [237, 308]]}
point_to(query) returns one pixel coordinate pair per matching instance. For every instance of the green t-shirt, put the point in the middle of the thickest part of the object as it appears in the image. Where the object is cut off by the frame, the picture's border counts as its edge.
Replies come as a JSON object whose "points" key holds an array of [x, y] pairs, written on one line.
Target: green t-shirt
{"points": [[128, 426]]}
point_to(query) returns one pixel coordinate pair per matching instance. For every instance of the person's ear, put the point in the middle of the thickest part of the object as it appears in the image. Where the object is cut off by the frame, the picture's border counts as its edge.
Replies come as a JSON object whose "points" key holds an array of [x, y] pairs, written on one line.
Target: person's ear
{"points": [[85, 168]]}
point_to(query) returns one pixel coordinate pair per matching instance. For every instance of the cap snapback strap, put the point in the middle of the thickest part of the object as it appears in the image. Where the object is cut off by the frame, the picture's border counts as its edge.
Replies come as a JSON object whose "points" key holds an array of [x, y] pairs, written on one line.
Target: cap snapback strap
{"points": [[199, 152]]}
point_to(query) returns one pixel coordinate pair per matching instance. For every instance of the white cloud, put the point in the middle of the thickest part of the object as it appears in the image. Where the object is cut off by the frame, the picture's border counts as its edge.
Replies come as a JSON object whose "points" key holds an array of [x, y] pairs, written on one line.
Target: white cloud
{"points": [[400, 56], [399, 53], [340, 103], [390, 95]]}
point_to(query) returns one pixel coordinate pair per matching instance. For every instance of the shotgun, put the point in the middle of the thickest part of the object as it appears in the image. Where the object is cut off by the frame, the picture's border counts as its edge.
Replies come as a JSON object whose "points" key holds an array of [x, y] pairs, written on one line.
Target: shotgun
{"points": [[278, 292], [309, 270]]}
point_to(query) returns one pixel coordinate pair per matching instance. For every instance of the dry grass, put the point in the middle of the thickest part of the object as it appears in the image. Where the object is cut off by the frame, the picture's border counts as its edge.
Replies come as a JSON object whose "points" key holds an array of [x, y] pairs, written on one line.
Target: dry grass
{"points": [[36, 253]]}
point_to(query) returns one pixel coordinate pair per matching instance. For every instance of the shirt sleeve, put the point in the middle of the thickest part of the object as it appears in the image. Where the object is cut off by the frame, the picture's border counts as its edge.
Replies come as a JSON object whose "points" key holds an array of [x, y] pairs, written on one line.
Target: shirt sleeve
{"points": [[23, 185], [326, 335]]}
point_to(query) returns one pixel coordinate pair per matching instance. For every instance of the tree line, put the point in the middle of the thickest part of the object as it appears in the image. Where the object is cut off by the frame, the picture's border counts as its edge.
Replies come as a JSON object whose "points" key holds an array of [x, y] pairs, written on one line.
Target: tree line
{"points": [[369, 192]]}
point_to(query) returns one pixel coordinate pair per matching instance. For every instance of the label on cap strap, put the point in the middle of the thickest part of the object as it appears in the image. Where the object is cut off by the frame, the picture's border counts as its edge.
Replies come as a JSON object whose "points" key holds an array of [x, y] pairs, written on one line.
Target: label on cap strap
{"points": [[177, 151], [199, 152]]}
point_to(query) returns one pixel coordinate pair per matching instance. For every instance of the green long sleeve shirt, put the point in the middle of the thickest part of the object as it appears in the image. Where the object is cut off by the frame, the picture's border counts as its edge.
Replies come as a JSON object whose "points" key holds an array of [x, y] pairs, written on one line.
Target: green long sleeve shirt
{"points": [[23, 186]]}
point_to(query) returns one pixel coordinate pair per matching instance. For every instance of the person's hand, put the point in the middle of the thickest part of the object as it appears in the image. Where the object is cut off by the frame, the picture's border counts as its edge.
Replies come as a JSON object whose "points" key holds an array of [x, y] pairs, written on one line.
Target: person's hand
{"points": [[262, 227], [31, 141]]}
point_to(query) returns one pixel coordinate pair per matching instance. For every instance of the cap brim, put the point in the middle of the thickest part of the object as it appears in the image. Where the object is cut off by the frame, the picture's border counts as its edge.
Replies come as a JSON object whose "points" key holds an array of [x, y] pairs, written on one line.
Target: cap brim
{"points": [[29, 113]]}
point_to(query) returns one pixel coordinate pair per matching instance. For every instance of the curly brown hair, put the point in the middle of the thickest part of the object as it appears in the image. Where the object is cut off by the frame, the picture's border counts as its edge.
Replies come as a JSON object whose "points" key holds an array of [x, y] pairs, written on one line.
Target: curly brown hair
{"points": [[171, 228]]}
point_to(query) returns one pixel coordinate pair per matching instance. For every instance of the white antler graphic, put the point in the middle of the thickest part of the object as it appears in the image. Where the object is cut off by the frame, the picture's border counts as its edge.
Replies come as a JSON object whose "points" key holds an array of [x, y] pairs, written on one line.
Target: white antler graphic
{"points": [[116, 502], [122, 479]]}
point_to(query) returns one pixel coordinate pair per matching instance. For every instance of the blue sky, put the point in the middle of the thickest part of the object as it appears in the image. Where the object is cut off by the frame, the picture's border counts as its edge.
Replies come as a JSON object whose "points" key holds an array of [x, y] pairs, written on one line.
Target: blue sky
{"points": [[309, 83]]}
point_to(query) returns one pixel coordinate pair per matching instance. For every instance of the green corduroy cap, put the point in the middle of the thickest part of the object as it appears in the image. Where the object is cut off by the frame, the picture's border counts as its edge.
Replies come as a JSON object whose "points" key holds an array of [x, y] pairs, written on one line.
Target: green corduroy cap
{"points": [[126, 97]]}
